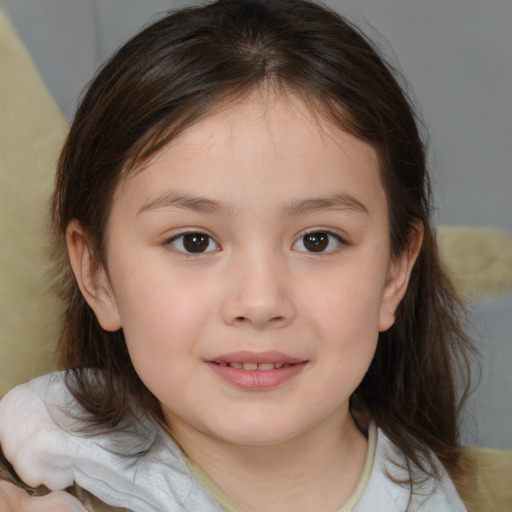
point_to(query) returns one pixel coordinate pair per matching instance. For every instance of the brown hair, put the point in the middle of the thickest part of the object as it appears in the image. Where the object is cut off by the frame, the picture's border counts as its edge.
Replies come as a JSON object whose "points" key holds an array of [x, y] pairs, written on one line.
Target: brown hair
{"points": [[173, 74]]}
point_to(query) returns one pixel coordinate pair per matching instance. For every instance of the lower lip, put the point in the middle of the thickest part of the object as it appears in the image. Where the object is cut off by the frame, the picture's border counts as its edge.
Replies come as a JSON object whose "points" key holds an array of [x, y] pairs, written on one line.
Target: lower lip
{"points": [[255, 380]]}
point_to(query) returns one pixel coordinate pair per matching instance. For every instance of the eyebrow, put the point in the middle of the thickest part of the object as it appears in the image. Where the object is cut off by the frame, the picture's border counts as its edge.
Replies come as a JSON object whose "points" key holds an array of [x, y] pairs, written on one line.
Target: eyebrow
{"points": [[198, 204], [294, 208], [334, 202]]}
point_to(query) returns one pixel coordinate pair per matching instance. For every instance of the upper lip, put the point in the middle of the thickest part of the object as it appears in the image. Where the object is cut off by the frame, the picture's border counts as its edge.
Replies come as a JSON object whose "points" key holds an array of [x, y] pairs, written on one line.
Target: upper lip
{"points": [[246, 356]]}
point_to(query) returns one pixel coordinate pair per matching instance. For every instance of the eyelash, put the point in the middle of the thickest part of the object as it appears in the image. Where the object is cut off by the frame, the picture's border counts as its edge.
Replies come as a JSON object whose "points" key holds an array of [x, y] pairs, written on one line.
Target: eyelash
{"points": [[320, 238]]}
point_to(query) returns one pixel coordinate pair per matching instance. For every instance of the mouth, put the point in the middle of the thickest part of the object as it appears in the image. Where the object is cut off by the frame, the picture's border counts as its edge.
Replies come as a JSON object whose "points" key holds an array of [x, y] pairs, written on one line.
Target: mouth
{"points": [[256, 371], [263, 361]]}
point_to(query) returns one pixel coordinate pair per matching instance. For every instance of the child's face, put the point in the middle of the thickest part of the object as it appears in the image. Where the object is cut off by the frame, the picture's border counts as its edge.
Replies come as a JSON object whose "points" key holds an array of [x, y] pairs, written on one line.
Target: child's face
{"points": [[257, 236]]}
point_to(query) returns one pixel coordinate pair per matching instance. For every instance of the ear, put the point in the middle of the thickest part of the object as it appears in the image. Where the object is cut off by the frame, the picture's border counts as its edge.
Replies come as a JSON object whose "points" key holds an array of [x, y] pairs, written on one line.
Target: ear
{"points": [[92, 278], [398, 278]]}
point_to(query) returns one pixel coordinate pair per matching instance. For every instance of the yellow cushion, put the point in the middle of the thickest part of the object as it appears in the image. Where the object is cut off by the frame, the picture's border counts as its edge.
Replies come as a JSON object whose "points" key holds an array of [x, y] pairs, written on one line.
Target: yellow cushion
{"points": [[486, 485], [32, 130]]}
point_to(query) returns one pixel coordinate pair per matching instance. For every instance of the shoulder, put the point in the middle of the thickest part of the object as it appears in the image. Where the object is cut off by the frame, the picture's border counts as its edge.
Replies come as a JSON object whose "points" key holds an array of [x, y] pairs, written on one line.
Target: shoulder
{"points": [[29, 417], [385, 493], [135, 467]]}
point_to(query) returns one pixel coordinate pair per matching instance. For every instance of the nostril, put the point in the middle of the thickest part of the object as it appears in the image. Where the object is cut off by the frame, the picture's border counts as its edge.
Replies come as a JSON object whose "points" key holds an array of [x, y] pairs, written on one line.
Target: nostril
{"points": [[240, 319]]}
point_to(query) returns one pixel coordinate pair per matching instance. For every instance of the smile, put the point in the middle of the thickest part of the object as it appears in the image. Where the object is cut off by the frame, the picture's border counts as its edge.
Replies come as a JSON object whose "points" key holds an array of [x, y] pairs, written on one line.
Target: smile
{"points": [[256, 371]]}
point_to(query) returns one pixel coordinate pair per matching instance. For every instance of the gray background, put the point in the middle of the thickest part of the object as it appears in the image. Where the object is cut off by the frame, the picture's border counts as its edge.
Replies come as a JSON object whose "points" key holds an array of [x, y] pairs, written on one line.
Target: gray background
{"points": [[456, 54]]}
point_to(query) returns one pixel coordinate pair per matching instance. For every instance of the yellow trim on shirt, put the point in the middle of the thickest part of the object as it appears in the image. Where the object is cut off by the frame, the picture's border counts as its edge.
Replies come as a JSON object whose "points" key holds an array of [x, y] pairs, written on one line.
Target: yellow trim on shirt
{"points": [[359, 489], [213, 488], [231, 506]]}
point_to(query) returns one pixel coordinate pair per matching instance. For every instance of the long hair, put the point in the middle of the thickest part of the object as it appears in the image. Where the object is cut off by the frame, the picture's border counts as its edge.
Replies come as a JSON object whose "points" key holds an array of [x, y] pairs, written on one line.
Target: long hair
{"points": [[175, 73]]}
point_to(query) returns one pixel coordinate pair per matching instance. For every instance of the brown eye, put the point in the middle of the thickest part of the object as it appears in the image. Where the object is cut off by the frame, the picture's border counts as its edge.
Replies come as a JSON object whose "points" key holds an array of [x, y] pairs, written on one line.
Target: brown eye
{"points": [[318, 241], [194, 243]]}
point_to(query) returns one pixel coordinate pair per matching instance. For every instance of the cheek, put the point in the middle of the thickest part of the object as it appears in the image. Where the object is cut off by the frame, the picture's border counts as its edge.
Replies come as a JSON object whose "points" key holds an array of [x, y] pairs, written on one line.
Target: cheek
{"points": [[347, 304], [164, 317], [345, 313], [161, 330], [154, 296]]}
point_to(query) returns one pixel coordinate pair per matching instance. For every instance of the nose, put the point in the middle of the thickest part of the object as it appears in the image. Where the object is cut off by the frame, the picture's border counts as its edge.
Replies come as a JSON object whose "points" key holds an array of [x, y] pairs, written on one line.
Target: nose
{"points": [[258, 294]]}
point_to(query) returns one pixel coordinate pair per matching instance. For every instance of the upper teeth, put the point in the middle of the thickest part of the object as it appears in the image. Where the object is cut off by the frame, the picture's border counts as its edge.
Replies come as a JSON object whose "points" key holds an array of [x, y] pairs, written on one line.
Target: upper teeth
{"points": [[255, 366]]}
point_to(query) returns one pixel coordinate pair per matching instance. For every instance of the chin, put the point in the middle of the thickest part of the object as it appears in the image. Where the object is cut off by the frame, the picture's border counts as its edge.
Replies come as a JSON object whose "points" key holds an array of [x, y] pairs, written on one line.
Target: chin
{"points": [[261, 433]]}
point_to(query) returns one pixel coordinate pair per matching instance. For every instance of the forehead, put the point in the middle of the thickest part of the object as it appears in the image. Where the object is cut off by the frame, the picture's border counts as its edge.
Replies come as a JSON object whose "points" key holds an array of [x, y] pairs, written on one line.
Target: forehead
{"points": [[266, 143]]}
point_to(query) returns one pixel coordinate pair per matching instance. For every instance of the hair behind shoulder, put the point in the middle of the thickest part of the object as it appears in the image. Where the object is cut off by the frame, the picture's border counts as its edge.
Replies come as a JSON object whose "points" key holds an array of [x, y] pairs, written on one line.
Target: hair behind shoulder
{"points": [[173, 74]]}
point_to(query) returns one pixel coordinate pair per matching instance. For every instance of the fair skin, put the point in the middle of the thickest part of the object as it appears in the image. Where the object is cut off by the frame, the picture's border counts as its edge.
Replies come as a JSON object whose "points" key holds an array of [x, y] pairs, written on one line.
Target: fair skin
{"points": [[259, 235]]}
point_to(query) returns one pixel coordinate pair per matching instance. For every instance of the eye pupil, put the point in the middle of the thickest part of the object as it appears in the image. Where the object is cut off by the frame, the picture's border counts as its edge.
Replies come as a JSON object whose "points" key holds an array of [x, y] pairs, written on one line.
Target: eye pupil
{"points": [[195, 242], [316, 242]]}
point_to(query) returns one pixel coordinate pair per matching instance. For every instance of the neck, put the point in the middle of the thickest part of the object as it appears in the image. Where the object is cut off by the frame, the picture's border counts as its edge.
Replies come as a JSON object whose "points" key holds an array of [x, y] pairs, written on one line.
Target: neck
{"points": [[316, 471]]}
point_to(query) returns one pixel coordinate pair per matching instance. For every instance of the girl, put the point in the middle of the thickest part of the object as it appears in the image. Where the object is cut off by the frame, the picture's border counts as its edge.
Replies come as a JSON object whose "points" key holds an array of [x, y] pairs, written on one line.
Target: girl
{"points": [[257, 319]]}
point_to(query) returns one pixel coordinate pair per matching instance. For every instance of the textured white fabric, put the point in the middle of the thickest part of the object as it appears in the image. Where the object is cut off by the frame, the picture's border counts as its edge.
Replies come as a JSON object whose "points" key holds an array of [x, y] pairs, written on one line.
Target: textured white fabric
{"points": [[40, 439], [382, 495]]}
